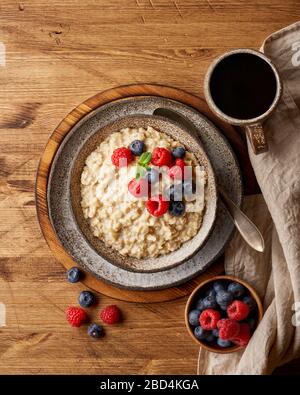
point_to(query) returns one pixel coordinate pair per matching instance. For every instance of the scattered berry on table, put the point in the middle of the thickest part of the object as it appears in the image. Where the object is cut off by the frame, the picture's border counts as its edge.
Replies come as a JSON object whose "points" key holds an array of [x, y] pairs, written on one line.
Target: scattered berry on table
{"points": [[189, 188], [121, 157], [238, 310], [194, 317], [200, 333], [224, 297], [157, 205], [95, 330], [152, 176], [236, 289], [218, 286], [243, 337], [209, 302], [215, 332], [138, 188], [174, 192], [250, 302], [161, 157], [177, 208], [111, 314], [200, 304], [209, 319], [137, 147], [73, 275], [76, 316], [178, 152], [224, 343], [228, 329], [86, 298]]}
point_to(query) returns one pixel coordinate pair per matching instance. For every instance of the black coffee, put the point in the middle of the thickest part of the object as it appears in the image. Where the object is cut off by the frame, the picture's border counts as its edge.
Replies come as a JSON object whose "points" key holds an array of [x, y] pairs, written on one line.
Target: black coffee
{"points": [[243, 86]]}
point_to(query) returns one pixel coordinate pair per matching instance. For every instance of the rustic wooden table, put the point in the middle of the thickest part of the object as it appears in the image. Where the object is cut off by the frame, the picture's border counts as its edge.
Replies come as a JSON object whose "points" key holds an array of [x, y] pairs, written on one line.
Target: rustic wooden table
{"points": [[53, 55]]}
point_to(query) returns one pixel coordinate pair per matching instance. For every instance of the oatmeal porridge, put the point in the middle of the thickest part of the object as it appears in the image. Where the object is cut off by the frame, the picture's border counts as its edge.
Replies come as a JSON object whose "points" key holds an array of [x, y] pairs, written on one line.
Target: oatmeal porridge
{"points": [[115, 198]]}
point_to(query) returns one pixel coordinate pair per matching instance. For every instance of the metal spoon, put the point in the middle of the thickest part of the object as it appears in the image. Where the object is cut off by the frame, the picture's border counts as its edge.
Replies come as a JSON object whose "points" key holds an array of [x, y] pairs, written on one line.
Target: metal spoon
{"points": [[245, 226]]}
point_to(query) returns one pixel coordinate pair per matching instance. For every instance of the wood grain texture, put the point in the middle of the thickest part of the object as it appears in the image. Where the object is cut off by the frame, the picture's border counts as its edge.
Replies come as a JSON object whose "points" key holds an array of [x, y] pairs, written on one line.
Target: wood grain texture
{"points": [[58, 53]]}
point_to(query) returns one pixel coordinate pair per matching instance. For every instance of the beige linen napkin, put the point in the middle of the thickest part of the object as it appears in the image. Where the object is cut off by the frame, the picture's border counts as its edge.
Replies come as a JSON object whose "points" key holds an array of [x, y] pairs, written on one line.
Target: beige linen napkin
{"points": [[276, 273]]}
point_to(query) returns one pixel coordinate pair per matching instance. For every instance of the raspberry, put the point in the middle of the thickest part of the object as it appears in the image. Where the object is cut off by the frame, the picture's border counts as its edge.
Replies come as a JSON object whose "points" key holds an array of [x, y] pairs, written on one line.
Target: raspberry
{"points": [[138, 188], [111, 314], [177, 171], [180, 163], [209, 319], [157, 205], [121, 157], [228, 329], [75, 316], [161, 157], [238, 310], [242, 339]]}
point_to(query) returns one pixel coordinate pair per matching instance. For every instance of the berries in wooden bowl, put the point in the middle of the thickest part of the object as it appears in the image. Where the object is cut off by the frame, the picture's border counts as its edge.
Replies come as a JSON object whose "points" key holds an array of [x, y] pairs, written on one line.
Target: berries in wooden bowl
{"points": [[222, 313]]}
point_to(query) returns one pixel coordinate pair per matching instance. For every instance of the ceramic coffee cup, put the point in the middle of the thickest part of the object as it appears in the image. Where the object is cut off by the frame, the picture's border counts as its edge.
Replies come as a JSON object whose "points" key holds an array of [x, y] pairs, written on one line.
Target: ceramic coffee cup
{"points": [[243, 88]]}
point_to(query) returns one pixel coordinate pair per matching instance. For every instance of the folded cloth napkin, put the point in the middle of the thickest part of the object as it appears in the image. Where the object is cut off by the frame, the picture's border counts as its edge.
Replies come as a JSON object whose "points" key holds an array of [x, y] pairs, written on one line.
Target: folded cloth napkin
{"points": [[276, 273]]}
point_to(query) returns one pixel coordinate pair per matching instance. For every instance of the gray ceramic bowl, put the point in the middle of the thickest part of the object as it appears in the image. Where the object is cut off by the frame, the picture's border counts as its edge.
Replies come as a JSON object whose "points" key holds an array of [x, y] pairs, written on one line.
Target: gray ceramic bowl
{"points": [[177, 132]]}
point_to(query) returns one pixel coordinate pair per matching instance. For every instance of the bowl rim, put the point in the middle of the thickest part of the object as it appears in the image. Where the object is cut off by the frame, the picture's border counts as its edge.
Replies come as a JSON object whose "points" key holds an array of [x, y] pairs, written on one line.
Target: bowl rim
{"points": [[213, 189], [190, 301], [98, 102]]}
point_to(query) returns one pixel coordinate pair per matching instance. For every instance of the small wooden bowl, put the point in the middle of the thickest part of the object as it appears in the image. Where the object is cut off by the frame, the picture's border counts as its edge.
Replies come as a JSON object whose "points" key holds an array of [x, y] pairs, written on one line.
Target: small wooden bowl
{"points": [[193, 297]]}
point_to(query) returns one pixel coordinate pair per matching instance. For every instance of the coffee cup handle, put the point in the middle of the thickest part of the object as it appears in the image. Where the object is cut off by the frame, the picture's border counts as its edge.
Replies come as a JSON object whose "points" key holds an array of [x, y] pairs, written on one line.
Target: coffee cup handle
{"points": [[257, 138]]}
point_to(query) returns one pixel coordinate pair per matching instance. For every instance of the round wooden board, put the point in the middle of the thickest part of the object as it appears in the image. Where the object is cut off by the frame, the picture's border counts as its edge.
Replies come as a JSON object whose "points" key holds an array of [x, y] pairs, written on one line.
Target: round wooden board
{"points": [[52, 146]]}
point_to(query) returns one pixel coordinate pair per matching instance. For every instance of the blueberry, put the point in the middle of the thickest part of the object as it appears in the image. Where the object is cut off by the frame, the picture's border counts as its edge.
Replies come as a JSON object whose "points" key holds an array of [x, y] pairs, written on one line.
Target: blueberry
{"points": [[224, 298], [177, 208], [174, 192], [252, 323], [194, 317], [189, 188], [211, 292], [236, 289], [73, 275], [250, 302], [200, 333], [178, 152], [215, 332], [209, 302], [95, 330], [223, 306], [86, 299], [137, 147], [152, 176], [200, 304], [223, 343], [210, 337], [218, 286]]}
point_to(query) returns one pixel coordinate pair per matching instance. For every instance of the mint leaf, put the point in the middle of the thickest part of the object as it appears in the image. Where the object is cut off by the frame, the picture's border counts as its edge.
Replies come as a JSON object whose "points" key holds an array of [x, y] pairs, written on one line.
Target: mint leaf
{"points": [[145, 159], [140, 172]]}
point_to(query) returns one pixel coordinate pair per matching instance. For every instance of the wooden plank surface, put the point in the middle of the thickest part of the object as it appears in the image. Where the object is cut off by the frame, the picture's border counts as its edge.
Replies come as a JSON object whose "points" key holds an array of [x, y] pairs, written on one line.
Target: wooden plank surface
{"points": [[59, 53]]}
